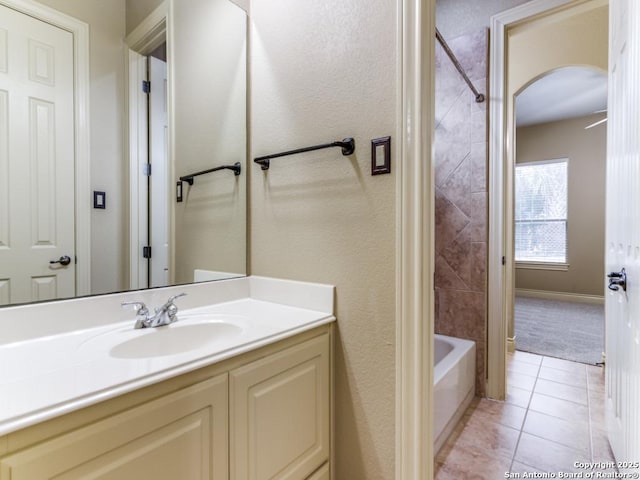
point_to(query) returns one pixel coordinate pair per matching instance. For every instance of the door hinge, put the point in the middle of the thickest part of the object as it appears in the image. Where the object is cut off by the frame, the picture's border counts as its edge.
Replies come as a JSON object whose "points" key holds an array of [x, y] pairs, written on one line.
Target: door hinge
{"points": [[146, 169], [146, 86], [504, 260], [146, 251]]}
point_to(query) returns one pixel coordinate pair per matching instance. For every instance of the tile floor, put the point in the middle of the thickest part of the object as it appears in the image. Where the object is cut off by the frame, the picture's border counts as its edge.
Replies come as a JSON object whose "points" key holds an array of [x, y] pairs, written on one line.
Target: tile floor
{"points": [[553, 416]]}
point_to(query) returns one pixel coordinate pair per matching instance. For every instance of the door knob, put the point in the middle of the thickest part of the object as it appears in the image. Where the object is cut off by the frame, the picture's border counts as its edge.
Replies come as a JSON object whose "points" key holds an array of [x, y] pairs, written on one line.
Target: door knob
{"points": [[64, 260], [617, 280]]}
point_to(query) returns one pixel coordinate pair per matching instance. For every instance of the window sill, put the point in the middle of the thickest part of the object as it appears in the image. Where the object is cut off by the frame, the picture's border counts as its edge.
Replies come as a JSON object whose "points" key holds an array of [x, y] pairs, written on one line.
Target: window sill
{"points": [[559, 267]]}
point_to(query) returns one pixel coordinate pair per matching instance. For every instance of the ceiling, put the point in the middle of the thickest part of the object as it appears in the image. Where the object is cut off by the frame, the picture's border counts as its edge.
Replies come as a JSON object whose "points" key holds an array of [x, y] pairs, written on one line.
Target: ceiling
{"points": [[565, 93]]}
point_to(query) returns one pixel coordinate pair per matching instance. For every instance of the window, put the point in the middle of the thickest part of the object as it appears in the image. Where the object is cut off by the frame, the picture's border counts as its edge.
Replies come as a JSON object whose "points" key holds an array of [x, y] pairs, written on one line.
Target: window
{"points": [[541, 212]]}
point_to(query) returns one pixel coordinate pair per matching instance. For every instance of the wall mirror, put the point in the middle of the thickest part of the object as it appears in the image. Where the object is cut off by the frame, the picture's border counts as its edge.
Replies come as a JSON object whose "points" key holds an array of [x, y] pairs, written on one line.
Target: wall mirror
{"points": [[104, 106]]}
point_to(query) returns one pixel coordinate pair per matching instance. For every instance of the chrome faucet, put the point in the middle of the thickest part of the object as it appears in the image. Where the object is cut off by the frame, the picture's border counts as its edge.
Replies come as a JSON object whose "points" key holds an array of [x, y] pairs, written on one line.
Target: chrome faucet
{"points": [[163, 315]]}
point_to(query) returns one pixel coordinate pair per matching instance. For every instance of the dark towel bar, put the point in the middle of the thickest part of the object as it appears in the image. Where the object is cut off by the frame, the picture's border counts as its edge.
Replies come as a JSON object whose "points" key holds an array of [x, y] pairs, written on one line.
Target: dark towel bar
{"points": [[348, 146], [236, 167]]}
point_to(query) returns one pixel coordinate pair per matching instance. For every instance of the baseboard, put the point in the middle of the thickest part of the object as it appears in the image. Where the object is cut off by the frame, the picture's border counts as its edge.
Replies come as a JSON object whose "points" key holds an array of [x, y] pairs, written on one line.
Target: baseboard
{"points": [[511, 344], [563, 296]]}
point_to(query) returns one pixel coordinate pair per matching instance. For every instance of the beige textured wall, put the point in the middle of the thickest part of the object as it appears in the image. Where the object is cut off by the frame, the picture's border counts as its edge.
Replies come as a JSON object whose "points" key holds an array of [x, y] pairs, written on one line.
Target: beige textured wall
{"points": [[209, 107], [322, 71], [586, 151], [138, 10], [106, 19], [576, 36]]}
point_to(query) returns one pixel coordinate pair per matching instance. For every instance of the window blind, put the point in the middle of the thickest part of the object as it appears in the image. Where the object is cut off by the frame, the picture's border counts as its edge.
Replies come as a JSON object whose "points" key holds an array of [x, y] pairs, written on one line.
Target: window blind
{"points": [[541, 211]]}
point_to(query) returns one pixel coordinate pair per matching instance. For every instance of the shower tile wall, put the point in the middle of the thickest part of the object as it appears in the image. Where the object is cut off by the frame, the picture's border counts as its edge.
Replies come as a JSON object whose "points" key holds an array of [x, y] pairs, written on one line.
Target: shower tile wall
{"points": [[461, 195]]}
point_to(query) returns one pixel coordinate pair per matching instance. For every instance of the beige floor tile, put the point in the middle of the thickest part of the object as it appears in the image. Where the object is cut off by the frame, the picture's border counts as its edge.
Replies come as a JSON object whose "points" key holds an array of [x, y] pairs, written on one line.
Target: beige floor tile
{"points": [[600, 444], [525, 382], [597, 416], [560, 390], [546, 455], [518, 396], [500, 413], [596, 375], [525, 357], [556, 431], [561, 364], [575, 379], [482, 435], [560, 408], [598, 390], [521, 468], [466, 464], [524, 368], [574, 435]]}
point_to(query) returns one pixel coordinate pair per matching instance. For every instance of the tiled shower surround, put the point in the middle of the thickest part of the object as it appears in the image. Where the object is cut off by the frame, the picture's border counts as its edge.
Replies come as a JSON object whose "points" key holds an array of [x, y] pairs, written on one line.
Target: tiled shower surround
{"points": [[461, 196]]}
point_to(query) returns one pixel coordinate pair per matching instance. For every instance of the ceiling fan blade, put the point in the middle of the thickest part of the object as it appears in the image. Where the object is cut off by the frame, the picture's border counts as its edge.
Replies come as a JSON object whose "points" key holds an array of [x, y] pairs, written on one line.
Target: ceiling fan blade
{"points": [[596, 123]]}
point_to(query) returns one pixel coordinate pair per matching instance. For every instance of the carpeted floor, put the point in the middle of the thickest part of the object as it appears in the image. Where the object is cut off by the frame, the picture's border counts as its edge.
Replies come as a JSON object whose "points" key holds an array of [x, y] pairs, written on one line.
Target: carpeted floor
{"points": [[573, 331]]}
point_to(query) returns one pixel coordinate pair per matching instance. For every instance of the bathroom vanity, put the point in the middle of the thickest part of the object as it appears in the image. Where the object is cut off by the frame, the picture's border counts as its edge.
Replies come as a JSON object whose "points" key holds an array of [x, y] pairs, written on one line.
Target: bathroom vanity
{"points": [[239, 388]]}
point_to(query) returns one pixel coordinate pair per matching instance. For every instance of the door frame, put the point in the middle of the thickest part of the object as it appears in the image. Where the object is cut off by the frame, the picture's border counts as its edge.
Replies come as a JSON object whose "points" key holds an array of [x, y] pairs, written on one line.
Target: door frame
{"points": [[81, 119], [143, 40], [415, 240], [501, 264]]}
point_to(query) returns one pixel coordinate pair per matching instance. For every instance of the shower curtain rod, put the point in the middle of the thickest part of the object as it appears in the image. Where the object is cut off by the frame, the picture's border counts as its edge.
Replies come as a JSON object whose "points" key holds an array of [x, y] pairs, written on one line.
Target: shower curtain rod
{"points": [[456, 63]]}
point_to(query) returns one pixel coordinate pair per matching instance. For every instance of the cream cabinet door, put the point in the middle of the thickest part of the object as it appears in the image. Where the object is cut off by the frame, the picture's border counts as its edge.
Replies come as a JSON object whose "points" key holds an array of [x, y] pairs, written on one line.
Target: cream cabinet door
{"points": [[183, 435], [279, 414], [321, 474]]}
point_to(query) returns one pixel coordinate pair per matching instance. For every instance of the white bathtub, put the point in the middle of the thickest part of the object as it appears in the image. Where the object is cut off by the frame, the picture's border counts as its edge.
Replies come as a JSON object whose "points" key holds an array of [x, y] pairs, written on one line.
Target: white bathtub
{"points": [[454, 375]]}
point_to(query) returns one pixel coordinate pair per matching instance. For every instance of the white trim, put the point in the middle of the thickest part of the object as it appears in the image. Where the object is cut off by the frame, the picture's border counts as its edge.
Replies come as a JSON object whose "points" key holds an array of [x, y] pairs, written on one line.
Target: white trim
{"points": [[501, 277], [414, 256], [557, 267], [562, 296], [83, 199], [145, 38], [151, 32]]}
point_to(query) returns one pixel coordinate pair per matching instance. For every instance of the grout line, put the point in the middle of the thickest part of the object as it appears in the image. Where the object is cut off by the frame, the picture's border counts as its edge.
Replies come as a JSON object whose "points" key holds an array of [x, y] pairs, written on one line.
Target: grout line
{"points": [[589, 411], [515, 450]]}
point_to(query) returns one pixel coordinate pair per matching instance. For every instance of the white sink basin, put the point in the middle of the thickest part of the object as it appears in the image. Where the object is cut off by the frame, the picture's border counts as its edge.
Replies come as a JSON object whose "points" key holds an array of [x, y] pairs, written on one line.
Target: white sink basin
{"points": [[174, 339], [189, 333]]}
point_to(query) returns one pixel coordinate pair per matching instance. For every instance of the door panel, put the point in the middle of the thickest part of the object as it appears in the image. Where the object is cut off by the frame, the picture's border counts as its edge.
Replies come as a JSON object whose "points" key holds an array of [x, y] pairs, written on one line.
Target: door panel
{"points": [[37, 159], [623, 233], [159, 180]]}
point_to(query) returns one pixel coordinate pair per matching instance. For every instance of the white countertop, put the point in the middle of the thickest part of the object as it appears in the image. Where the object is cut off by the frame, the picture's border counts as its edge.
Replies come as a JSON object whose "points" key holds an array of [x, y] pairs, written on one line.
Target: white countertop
{"points": [[44, 376]]}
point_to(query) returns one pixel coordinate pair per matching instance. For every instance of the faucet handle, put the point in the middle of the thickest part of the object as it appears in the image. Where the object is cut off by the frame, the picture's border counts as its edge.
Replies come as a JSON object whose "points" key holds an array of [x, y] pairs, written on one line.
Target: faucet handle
{"points": [[171, 307], [171, 299], [140, 307]]}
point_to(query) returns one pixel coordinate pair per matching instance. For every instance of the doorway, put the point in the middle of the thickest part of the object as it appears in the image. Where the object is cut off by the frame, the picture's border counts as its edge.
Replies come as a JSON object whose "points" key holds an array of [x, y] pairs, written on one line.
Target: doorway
{"points": [[149, 165], [533, 31], [559, 191]]}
